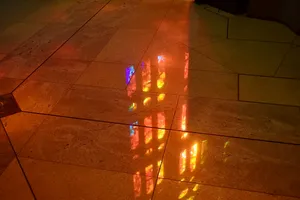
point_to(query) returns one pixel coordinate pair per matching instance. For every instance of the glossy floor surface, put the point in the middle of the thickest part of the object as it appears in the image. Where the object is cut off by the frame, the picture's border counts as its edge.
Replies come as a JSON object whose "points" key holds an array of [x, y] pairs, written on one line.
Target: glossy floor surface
{"points": [[148, 99]]}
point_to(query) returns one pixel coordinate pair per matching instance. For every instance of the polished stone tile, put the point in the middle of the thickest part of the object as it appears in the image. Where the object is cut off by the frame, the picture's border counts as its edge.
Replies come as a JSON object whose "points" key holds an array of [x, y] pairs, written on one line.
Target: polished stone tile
{"points": [[5, 147], [290, 65], [122, 148], [114, 13], [175, 54], [16, 34], [168, 189], [13, 184], [162, 79], [39, 96], [5, 159], [152, 16], [105, 75], [60, 71], [71, 182], [233, 163], [117, 106], [8, 85], [269, 90], [219, 12], [238, 119], [19, 67], [247, 57], [87, 43], [126, 46], [46, 41], [261, 30], [27, 126]]}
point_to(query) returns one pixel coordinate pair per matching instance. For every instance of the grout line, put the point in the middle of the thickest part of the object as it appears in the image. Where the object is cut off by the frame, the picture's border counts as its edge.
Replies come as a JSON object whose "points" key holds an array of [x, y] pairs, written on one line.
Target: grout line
{"points": [[227, 187], [178, 130], [80, 28], [282, 60], [262, 41], [270, 104], [18, 160], [164, 152]]}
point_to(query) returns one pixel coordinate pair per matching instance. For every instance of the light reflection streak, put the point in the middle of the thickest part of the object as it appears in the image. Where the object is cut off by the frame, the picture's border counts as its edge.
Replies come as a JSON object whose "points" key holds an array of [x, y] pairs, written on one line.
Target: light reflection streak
{"points": [[161, 123], [149, 179], [193, 158], [146, 76], [137, 183], [182, 162], [148, 129]]}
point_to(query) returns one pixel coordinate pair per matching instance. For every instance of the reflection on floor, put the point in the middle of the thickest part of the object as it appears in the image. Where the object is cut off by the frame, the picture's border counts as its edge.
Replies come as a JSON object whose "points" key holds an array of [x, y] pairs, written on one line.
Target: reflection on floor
{"points": [[148, 99]]}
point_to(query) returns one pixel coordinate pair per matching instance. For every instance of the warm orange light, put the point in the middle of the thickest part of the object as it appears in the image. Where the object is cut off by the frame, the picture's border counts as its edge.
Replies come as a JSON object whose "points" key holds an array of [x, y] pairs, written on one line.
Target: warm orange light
{"points": [[146, 76], [161, 172], [186, 66], [183, 117], [161, 146], [203, 149], [161, 97], [147, 101], [161, 123], [135, 138], [183, 193], [131, 88], [148, 129], [137, 183], [184, 135], [182, 162], [132, 107], [149, 151], [193, 159], [196, 187], [149, 179]]}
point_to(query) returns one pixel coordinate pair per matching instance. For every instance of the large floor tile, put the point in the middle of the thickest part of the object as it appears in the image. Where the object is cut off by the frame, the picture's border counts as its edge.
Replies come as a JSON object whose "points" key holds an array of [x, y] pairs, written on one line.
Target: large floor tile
{"points": [[126, 46], [6, 151], [233, 163], [290, 66], [13, 184], [16, 34], [27, 126], [60, 71], [168, 189], [87, 43], [19, 67], [46, 41], [122, 148], [106, 75], [247, 57], [269, 90], [39, 96], [256, 29], [114, 13], [178, 55], [8, 85], [152, 16], [116, 106], [76, 183], [167, 80], [239, 119]]}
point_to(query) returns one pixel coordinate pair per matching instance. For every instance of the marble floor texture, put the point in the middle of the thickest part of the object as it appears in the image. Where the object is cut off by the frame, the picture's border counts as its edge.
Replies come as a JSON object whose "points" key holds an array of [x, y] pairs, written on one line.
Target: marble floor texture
{"points": [[147, 99]]}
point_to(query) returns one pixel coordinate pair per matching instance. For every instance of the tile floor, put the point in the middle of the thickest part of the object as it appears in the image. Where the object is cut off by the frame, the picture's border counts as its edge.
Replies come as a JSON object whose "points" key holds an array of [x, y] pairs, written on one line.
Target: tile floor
{"points": [[148, 99]]}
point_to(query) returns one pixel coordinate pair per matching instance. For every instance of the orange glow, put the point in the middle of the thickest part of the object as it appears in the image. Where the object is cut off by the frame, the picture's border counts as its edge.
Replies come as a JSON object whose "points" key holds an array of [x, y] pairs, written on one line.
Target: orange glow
{"points": [[161, 146], [182, 162], [203, 149], [193, 159], [196, 187], [161, 172], [148, 130], [161, 97], [131, 88], [161, 72], [149, 151], [226, 144], [161, 123], [183, 193], [183, 117], [137, 183], [132, 107], [186, 66], [135, 138], [191, 198], [147, 101], [146, 76], [184, 135], [149, 179]]}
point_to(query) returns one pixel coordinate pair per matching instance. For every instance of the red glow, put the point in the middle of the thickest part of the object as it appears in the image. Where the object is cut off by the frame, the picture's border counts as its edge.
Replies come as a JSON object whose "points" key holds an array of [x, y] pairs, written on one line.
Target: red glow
{"points": [[137, 183], [148, 129], [149, 179]]}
